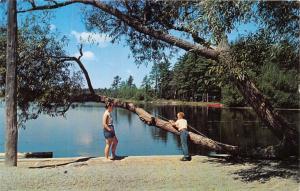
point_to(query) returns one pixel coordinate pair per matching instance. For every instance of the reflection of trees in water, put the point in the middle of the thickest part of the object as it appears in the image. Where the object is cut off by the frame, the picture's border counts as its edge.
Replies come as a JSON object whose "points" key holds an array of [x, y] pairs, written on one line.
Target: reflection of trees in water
{"points": [[167, 112], [233, 126], [241, 127], [125, 113], [158, 134], [115, 114], [197, 117], [90, 108], [292, 116], [200, 118]]}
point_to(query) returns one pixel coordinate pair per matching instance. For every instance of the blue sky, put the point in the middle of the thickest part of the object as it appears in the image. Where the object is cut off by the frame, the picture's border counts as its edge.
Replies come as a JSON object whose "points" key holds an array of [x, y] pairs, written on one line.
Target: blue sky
{"points": [[105, 60]]}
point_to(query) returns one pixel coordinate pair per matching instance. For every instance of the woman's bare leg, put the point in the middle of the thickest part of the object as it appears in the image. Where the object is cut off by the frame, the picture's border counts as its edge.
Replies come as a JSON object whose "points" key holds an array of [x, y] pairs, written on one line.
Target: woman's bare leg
{"points": [[108, 143], [114, 146]]}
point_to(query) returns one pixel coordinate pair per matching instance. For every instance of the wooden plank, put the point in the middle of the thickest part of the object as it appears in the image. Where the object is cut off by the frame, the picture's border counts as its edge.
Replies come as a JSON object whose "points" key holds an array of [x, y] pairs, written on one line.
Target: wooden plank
{"points": [[216, 155], [32, 155]]}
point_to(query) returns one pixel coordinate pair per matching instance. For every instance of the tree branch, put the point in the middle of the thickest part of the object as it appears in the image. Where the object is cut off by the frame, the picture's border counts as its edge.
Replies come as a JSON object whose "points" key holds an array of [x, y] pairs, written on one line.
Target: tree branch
{"points": [[194, 34], [80, 52], [47, 7], [80, 64], [137, 25]]}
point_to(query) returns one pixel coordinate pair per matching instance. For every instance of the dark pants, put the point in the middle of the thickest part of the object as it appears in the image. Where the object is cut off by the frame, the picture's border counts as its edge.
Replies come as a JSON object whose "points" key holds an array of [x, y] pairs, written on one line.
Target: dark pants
{"points": [[184, 138]]}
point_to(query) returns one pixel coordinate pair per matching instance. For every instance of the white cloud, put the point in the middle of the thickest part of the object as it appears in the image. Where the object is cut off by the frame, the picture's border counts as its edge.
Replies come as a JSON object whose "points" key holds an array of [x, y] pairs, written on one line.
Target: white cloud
{"points": [[52, 27], [129, 71], [87, 55], [87, 38]]}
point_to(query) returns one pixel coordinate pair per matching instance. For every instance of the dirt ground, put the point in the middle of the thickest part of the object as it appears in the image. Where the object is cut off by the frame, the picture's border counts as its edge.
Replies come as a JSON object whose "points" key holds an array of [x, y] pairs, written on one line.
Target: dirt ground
{"points": [[149, 173]]}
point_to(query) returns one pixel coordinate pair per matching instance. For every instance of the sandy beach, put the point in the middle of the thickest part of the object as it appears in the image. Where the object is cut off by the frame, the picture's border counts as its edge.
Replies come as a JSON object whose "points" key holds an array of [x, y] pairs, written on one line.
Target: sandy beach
{"points": [[149, 173]]}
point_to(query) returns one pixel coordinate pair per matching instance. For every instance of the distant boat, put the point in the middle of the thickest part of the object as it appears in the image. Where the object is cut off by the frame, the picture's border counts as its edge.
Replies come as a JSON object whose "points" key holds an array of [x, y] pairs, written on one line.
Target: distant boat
{"points": [[216, 105]]}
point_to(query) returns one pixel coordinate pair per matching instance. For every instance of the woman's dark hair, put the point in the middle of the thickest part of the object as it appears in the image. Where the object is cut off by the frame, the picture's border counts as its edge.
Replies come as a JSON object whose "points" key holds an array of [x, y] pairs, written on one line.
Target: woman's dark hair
{"points": [[108, 104]]}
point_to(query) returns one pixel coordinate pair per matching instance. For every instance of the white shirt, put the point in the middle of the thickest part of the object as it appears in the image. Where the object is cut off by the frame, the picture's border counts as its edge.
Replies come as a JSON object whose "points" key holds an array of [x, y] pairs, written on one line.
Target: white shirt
{"points": [[181, 124]]}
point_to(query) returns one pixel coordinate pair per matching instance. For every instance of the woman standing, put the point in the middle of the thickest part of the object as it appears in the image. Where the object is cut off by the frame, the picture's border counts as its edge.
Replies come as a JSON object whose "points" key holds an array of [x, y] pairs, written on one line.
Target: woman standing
{"points": [[111, 140]]}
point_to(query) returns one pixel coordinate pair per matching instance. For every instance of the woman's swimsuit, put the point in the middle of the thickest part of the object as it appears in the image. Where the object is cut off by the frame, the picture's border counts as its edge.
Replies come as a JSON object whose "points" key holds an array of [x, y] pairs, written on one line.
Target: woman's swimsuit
{"points": [[109, 134]]}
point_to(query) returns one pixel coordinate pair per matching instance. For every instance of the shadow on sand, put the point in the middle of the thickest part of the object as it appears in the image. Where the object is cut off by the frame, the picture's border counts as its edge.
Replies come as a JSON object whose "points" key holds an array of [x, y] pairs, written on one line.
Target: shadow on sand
{"points": [[262, 170], [78, 162]]}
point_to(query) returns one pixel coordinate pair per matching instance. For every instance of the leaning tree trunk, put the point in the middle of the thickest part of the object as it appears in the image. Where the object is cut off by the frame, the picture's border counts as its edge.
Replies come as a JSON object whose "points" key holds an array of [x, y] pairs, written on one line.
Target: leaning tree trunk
{"points": [[11, 139], [289, 136]]}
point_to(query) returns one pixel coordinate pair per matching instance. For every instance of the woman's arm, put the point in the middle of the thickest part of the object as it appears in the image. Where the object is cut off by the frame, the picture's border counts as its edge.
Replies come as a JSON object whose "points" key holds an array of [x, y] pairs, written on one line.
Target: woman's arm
{"points": [[104, 122]]}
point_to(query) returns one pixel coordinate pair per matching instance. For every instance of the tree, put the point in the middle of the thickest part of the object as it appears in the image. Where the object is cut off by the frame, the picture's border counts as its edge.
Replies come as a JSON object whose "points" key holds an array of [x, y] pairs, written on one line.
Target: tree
{"points": [[160, 76], [191, 78], [273, 66], [149, 25], [46, 81], [146, 84], [11, 138], [129, 81], [116, 82]]}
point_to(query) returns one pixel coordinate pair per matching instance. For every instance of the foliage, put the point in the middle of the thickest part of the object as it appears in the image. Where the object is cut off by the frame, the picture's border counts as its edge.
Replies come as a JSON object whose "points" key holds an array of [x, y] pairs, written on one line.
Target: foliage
{"points": [[129, 82], [116, 82], [281, 18], [273, 66], [125, 90], [45, 83], [191, 80], [160, 76], [146, 84]]}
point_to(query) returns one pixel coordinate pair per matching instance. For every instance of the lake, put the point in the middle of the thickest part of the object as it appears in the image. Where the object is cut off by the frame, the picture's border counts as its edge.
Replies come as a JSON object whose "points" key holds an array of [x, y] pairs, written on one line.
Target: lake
{"points": [[81, 134]]}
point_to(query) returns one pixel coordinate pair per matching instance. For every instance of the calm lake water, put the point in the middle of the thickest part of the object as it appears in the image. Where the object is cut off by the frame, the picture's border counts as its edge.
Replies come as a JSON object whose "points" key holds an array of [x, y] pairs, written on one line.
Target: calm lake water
{"points": [[80, 133]]}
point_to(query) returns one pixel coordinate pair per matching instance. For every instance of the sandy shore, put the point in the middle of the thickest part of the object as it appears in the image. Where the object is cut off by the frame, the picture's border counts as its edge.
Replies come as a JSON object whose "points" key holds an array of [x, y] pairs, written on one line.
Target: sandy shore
{"points": [[148, 173]]}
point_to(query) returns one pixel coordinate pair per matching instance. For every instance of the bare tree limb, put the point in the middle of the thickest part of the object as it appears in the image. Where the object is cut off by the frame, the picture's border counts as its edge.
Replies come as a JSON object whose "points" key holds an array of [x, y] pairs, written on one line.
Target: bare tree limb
{"points": [[194, 34], [137, 25], [80, 52], [81, 65], [49, 6]]}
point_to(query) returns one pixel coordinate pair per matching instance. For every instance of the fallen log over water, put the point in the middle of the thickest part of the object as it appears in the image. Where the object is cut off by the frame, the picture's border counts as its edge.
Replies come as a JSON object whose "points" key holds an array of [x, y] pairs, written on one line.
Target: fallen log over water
{"points": [[149, 119], [32, 155]]}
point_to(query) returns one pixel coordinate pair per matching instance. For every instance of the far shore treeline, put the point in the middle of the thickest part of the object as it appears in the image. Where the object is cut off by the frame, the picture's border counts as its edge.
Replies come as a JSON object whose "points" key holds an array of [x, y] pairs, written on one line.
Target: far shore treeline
{"points": [[191, 78]]}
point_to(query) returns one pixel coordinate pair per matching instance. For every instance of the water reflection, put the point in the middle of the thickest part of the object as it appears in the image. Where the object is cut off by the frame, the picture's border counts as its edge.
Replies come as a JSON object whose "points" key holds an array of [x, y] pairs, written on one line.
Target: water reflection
{"points": [[80, 134], [239, 127]]}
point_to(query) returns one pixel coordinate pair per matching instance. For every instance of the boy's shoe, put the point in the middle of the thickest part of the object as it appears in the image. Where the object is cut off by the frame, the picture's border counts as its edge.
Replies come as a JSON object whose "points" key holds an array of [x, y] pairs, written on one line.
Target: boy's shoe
{"points": [[186, 158]]}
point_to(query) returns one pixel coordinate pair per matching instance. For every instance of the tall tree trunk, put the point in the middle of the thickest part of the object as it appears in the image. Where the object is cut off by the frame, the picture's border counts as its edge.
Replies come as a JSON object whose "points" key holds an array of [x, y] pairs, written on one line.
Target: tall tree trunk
{"points": [[288, 135], [11, 139]]}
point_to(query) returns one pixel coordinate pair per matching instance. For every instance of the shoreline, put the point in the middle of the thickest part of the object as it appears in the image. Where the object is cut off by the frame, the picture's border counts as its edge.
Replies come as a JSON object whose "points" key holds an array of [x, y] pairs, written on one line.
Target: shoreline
{"points": [[184, 103], [148, 173]]}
